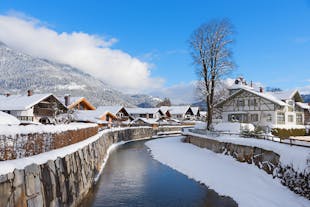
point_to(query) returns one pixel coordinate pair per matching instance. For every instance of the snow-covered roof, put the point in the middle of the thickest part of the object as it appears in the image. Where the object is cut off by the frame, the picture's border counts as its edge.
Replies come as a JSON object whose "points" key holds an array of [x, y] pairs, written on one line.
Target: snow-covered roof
{"points": [[283, 95], [7, 119], [74, 100], [203, 113], [148, 121], [195, 110], [142, 110], [240, 86], [91, 115], [173, 110], [303, 105], [112, 109], [21, 102], [267, 96]]}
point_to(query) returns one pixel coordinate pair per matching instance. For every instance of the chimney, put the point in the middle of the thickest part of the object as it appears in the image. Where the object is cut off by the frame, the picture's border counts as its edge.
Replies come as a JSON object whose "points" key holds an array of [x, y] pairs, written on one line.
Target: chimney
{"points": [[67, 100], [251, 84], [30, 92], [261, 89]]}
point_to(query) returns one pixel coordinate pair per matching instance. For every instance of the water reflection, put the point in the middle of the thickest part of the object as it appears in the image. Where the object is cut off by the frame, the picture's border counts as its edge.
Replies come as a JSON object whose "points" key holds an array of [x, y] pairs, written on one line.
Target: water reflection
{"points": [[132, 178]]}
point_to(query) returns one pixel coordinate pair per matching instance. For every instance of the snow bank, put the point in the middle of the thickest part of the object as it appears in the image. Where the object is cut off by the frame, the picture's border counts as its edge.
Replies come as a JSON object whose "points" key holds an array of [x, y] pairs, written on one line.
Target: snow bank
{"points": [[31, 129], [200, 125], [246, 184], [294, 156], [233, 127], [7, 119]]}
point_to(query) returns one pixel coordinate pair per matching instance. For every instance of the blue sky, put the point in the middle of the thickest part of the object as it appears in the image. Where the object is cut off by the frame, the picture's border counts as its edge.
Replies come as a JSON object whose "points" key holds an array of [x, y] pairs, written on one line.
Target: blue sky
{"points": [[272, 37]]}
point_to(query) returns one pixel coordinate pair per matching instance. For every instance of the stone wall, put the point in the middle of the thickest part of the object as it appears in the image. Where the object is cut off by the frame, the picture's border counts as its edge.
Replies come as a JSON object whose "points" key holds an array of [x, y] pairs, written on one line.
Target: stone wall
{"points": [[269, 161], [64, 181], [25, 145]]}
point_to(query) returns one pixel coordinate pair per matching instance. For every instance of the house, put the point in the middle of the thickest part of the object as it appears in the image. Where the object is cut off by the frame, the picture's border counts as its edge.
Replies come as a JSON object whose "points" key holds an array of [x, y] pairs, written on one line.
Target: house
{"points": [[139, 121], [149, 113], [77, 103], [99, 116], [119, 111], [178, 112], [31, 107], [196, 112], [267, 109], [306, 108], [123, 117]]}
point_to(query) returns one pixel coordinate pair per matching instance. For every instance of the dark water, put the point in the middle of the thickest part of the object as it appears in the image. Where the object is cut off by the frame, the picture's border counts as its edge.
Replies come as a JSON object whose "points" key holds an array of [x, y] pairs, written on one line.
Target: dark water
{"points": [[132, 177]]}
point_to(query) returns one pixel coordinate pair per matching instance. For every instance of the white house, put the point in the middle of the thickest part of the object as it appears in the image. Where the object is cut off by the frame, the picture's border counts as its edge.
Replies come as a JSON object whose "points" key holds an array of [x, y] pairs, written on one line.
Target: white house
{"points": [[149, 113], [32, 107], [267, 109], [178, 112]]}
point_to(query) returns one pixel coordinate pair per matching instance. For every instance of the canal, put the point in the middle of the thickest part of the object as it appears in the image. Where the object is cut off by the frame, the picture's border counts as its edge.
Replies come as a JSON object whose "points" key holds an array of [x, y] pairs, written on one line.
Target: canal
{"points": [[132, 177]]}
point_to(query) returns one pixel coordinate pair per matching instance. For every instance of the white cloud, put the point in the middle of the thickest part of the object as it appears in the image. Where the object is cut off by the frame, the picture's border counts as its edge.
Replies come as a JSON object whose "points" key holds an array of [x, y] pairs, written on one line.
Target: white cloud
{"points": [[90, 53]]}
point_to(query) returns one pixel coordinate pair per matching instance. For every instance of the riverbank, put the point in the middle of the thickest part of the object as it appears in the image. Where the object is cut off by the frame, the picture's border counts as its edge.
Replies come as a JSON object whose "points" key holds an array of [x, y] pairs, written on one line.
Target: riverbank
{"points": [[246, 184], [131, 177], [62, 177]]}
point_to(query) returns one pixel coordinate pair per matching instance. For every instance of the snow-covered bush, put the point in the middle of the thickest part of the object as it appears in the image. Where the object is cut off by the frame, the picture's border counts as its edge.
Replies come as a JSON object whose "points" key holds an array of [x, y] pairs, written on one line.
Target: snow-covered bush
{"points": [[233, 127], [286, 133]]}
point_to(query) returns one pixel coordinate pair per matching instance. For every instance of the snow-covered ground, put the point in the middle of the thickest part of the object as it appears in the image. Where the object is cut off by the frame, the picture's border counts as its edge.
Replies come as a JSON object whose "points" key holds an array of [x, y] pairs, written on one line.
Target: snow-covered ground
{"points": [[294, 156], [246, 184]]}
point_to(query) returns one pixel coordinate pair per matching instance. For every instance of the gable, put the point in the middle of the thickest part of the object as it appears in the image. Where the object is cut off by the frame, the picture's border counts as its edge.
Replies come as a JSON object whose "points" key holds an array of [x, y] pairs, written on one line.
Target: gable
{"points": [[82, 101], [250, 93]]}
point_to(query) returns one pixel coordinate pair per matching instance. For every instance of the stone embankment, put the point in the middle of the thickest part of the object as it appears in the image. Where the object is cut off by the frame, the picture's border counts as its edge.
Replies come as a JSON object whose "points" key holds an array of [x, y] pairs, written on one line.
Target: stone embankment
{"points": [[66, 180], [269, 161]]}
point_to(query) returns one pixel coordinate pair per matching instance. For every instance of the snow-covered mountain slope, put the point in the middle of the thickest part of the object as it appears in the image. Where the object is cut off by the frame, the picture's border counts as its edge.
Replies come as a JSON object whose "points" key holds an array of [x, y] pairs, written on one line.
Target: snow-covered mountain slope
{"points": [[20, 72]]}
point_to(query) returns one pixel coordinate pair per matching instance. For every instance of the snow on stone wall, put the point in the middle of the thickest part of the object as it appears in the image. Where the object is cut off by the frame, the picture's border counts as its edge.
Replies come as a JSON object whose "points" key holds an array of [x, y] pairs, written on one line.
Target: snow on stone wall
{"points": [[33, 140], [267, 160]]}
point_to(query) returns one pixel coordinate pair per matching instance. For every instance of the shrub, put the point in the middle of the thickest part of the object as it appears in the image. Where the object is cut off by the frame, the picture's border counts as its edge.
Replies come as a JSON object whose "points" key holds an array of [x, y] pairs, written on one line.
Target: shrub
{"points": [[286, 133]]}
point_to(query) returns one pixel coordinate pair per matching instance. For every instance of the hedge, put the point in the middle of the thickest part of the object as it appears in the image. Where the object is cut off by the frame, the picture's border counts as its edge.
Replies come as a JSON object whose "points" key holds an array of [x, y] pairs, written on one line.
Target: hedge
{"points": [[286, 133]]}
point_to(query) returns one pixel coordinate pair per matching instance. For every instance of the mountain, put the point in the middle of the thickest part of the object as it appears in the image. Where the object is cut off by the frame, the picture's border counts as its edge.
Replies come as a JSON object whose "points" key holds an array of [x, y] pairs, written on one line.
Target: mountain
{"points": [[20, 72], [306, 97]]}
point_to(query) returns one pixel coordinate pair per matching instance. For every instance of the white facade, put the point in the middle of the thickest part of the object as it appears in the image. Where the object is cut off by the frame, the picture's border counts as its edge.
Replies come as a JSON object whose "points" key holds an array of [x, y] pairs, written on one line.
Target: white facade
{"points": [[262, 109]]}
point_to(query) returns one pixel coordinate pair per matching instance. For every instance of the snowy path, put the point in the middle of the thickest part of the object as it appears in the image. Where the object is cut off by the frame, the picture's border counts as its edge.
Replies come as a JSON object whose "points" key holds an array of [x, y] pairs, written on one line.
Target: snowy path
{"points": [[246, 184]]}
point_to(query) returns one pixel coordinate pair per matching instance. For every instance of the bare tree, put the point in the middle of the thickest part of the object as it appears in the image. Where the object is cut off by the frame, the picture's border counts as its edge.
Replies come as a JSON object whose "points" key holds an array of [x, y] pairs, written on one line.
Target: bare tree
{"points": [[210, 48]]}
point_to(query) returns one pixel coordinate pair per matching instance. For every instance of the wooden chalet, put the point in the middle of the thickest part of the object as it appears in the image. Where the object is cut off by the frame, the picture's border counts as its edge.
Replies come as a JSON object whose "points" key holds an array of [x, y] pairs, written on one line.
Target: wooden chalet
{"points": [[77, 103], [101, 117], [42, 108]]}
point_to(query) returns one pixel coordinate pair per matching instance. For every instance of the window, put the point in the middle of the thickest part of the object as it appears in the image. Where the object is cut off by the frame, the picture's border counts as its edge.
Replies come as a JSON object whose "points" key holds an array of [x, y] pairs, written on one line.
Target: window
{"points": [[151, 116], [254, 117], [108, 118], [240, 102], [252, 102], [236, 118], [290, 118], [25, 118], [280, 118], [299, 119], [269, 118]]}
